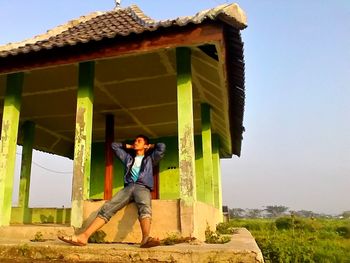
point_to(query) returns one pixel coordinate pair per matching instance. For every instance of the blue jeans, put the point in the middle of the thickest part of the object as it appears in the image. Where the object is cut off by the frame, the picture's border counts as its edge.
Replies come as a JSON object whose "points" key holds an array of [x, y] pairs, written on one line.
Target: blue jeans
{"points": [[138, 193]]}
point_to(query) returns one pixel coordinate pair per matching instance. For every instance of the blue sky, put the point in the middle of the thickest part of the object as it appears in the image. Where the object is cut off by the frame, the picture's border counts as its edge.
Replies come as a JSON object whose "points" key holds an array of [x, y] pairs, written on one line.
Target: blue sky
{"points": [[296, 148]]}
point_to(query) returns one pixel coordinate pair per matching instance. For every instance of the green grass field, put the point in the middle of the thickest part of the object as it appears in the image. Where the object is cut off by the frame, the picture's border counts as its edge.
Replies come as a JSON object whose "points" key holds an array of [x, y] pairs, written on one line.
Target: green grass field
{"points": [[294, 239]]}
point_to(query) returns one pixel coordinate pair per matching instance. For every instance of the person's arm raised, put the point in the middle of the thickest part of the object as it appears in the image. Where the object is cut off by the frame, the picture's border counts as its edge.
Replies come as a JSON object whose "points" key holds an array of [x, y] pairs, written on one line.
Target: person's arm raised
{"points": [[158, 153], [119, 150]]}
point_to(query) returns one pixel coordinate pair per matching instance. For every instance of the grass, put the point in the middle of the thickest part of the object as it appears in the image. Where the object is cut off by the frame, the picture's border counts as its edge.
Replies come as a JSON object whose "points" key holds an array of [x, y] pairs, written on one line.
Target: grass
{"points": [[217, 237], [293, 239]]}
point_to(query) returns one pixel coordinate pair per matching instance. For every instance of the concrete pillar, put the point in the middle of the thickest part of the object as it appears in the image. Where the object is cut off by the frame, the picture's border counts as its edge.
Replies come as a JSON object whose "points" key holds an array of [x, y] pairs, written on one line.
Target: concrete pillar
{"points": [[9, 132], [83, 138], [28, 130], [217, 187], [109, 138], [186, 142], [207, 154]]}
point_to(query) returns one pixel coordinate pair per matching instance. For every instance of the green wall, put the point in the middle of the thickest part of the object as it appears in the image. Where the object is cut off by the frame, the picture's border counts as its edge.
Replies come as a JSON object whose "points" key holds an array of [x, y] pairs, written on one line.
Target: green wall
{"points": [[42, 215], [169, 179], [98, 172]]}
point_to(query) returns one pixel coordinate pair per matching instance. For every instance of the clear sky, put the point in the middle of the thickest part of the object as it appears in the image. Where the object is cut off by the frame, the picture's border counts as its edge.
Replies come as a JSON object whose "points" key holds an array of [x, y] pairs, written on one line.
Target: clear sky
{"points": [[296, 148]]}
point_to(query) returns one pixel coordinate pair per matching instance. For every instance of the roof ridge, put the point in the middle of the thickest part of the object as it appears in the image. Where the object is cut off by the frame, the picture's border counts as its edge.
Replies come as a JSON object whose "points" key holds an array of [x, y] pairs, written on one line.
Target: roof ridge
{"points": [[212, 11], [230, 13], [51, 32], [62, 35], [140, 16]]}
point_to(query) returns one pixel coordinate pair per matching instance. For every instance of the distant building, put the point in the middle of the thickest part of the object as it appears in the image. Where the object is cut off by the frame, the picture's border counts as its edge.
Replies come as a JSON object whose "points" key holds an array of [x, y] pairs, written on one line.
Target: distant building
{"points": [[225, 213]]}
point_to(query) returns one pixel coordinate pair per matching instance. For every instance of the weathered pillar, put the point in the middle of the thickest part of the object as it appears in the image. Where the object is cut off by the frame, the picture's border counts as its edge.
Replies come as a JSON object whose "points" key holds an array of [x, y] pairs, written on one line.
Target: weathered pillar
{"points": [[109, 138], [28, 130], [9, 132], [186, 142], [207, 154], [83, 138], [217, 174]]}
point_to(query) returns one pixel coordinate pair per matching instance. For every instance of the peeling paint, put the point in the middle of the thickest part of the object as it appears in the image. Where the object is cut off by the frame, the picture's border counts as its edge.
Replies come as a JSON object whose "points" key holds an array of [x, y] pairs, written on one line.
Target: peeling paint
{"points": [[79, 156], [83, 136], [5, 128], [78, 172], [81, 122], [185, 128], [186, 163], [10, 122]]}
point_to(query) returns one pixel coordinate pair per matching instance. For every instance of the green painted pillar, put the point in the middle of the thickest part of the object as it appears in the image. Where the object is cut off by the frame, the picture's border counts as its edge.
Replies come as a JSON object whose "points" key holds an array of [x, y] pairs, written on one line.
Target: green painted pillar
{"points": [[9, 132], [83, 139], [185, 126], [207, 154], [186, 142], [217, 173], [199, 169], [28, 130]]}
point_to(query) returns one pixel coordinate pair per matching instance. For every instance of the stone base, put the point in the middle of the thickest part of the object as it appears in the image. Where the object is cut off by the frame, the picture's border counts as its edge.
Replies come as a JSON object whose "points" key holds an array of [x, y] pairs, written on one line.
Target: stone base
{"points": [[30, 232], [206, 216], [166, 220], [242, 248]]}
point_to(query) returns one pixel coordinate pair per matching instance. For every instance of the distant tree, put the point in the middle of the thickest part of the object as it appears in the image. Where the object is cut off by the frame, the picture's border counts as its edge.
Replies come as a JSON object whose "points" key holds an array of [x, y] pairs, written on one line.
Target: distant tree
{"points": [[237, 212], [305, 213], [346, 214], [254, 213], [276, 210]]}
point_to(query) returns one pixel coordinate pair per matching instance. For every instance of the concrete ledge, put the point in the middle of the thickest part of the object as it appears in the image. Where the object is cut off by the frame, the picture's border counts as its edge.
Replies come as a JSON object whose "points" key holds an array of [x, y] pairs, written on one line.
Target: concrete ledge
{"points": [[124, 225], [166, 218], [27, 232], [42, 215], [242, 248]]}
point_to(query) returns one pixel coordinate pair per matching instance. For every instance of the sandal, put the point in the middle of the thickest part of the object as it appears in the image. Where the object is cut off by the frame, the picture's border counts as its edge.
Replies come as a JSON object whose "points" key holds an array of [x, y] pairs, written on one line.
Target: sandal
{"points": [[71, 240], [151, 242]]}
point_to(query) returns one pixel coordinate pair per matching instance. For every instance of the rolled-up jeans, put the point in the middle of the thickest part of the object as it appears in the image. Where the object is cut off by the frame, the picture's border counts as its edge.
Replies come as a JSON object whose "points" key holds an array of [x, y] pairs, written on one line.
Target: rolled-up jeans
{"points": [[138, 193]]}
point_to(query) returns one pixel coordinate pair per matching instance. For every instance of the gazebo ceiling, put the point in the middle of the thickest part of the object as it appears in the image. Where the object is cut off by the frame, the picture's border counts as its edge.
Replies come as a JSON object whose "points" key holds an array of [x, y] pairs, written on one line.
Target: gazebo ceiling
{"points": [[138, 88]]}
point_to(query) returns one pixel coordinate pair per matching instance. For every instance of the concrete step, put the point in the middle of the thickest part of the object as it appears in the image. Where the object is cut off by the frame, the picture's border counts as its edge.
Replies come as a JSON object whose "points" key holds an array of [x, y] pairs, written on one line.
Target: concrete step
{"points": [[29, 232], [242, 248]]}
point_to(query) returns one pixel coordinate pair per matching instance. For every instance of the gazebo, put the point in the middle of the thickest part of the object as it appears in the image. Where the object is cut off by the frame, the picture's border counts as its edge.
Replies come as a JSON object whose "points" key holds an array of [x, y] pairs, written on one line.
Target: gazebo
{"points": [[109, 76]]}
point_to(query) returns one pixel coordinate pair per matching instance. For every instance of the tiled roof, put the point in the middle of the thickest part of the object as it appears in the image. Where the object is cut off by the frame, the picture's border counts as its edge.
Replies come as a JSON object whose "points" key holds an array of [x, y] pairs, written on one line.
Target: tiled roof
{"points": [[117, 23], [120, 22]]}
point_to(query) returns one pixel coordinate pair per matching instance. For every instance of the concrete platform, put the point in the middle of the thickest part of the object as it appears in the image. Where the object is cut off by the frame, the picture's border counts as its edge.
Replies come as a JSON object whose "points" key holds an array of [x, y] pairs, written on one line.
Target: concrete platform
{"points": [[15, 246]]}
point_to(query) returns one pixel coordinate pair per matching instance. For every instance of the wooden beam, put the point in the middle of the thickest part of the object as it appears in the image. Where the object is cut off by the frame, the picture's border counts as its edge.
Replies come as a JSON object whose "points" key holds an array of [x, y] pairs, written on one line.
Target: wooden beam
{"points": [[165, 60], [127, 111], [109, 138], [136, 79], [54, 133], [190, 35], [223, 47]]}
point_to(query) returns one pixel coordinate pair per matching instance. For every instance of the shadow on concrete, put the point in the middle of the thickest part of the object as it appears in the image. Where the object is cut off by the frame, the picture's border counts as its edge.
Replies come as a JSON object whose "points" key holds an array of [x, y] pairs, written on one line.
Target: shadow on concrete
{"points": [[126, 223]]}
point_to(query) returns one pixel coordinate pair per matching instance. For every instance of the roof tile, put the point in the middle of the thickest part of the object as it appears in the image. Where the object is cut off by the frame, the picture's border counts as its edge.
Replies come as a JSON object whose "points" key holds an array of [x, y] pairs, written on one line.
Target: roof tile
{"points": [[119, 22], [131, 20]]}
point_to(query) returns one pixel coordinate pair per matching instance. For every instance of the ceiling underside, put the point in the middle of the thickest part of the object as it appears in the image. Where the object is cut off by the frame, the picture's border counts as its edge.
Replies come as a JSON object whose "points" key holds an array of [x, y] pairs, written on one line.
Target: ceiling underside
{"points": [[139, 90]]}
